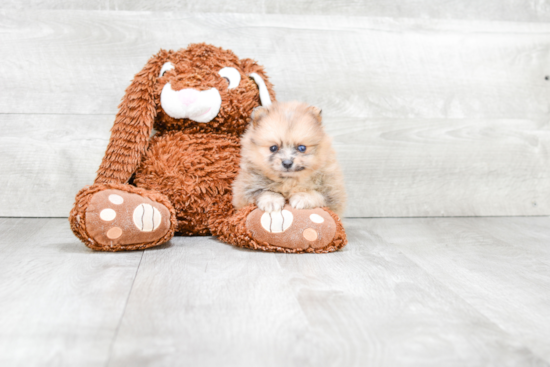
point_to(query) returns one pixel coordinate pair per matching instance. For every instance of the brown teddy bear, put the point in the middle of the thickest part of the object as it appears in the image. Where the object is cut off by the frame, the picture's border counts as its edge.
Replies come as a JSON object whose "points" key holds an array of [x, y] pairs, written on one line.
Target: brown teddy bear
{"points": [[198, 100]]}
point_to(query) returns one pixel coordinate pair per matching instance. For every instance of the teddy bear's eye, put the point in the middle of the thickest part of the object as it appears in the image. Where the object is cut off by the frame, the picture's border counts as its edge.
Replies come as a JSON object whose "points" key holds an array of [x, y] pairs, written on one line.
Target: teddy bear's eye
{"points": [[273, 148], [302, 148], [167, 66], [232, 76]]}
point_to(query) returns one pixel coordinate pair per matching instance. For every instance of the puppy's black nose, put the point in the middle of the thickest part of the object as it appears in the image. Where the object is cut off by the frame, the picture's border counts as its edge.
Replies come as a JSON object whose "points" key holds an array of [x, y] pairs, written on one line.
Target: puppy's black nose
{"points": [[287, 163]]}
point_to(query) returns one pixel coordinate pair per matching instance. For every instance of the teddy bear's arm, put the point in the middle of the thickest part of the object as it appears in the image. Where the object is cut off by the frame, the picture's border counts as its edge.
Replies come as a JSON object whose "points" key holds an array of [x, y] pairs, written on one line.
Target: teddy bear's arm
{"points": [[132, 128]]}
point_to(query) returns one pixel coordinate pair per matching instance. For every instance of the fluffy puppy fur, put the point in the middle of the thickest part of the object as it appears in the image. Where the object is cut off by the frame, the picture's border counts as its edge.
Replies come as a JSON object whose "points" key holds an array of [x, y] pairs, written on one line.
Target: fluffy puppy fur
{"points": [[286, 155]]}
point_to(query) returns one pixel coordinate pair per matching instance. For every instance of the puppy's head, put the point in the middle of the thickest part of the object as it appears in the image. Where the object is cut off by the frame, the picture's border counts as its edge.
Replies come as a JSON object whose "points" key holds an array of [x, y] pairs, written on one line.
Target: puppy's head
{"points": [[286, 140]]}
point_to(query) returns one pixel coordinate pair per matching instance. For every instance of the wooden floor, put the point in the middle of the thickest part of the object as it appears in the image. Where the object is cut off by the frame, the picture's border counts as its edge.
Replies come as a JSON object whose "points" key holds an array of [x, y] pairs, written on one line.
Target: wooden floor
{"points": [[404, 292]]}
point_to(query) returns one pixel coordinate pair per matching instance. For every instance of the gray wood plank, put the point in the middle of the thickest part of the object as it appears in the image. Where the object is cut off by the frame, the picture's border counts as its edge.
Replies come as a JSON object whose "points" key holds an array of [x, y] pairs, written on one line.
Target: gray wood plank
{"points": [[60, 302], [405, 292], [199, 302], [80, 62], [500, 266], [46, 159], [510, 10], [392, 167], [452, 167]]}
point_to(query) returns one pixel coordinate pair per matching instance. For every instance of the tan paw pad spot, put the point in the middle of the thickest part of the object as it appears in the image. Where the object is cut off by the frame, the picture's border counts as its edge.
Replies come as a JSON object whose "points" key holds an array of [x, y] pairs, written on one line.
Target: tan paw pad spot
{"points": [[116, 199], [147, 218], [277, 222], [310, 234], [107, 215], [114, 233]]}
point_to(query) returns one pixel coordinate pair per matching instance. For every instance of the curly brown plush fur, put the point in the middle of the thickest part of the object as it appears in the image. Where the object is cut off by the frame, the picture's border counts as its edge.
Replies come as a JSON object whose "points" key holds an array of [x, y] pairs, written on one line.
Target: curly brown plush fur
{"points": [[195, 172], [187, 167], [140, 110]]}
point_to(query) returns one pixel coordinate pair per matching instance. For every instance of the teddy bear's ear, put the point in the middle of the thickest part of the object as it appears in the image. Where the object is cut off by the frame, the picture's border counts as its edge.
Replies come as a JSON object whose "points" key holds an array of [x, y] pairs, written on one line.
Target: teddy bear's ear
{"points": [[257, 73], [133, 125], [265, 99]]}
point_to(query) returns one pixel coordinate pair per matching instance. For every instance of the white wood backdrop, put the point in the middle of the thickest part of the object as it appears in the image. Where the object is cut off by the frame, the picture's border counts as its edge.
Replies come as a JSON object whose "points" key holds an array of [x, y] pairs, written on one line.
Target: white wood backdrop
{"points": [[509, 10], [432, 114]]}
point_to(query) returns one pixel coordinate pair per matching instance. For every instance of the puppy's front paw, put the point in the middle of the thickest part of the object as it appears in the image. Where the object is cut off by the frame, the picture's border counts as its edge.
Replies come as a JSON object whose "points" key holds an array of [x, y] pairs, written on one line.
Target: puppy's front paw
{"points": [[307, 200], [270, 202]]}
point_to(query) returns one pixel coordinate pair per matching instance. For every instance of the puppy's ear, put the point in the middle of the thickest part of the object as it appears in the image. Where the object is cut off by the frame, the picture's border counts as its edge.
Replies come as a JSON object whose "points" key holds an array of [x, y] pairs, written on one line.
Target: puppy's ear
{"points": [[257, 114], [257, 73], [133, 124], [316, 112]]}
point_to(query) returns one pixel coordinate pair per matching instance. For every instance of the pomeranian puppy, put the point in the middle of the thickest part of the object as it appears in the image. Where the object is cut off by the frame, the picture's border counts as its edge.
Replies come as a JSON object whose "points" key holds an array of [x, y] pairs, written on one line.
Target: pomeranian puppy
{"points": [[286, 155]]}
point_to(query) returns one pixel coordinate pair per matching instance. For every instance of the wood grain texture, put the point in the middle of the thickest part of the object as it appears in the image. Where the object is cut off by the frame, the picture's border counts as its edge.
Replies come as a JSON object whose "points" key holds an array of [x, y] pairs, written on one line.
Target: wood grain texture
{"points": [[500, 266], [451, 167], [404, 292], [60, 302], [430, 117], [392, 167], [510, 10], [200, 302], [46, 159], [80, 62]]}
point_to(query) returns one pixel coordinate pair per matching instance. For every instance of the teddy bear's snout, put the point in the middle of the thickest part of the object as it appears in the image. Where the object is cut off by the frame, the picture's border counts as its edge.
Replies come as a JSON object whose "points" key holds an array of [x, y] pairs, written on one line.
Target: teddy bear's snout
{"points": [[189, 96], [200, 106]]}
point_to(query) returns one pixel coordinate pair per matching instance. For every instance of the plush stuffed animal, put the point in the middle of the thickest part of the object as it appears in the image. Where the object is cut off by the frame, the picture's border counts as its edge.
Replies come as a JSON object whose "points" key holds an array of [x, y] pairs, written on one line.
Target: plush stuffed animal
{"points": [[198, 100]]}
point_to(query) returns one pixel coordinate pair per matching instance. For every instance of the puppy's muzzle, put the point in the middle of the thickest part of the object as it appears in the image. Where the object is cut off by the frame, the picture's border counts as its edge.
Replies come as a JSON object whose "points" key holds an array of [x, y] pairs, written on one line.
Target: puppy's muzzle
{"points": [[199, 106], [287, 163]]}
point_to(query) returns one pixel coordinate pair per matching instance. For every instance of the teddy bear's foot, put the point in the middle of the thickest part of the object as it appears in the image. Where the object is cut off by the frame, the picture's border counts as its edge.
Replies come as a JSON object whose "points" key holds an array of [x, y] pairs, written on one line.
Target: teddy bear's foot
{"points": [[115, 219], [296, 230]]}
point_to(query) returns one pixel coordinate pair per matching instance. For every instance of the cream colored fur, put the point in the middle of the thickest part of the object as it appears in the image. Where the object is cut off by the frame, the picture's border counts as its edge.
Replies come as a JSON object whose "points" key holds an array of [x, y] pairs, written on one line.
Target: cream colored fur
{"points": [[314, 180]]}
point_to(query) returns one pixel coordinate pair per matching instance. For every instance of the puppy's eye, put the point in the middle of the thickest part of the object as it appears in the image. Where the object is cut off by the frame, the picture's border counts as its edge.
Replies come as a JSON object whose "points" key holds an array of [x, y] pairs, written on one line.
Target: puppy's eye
{"points": [[167, 66], [302, 148], [273, 148], [232, 76]]}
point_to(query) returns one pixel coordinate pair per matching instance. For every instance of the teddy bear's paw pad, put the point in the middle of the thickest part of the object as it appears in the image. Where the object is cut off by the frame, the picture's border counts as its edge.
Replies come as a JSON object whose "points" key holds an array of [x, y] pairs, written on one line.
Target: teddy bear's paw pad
{"points": [[292, 228], [276, 222], [116, 217], [147, 218]]}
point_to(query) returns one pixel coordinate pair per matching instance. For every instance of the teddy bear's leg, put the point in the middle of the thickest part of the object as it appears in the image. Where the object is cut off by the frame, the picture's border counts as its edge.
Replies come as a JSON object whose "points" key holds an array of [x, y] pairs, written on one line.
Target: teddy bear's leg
{"points": [[115, 217], [290, 230]]}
